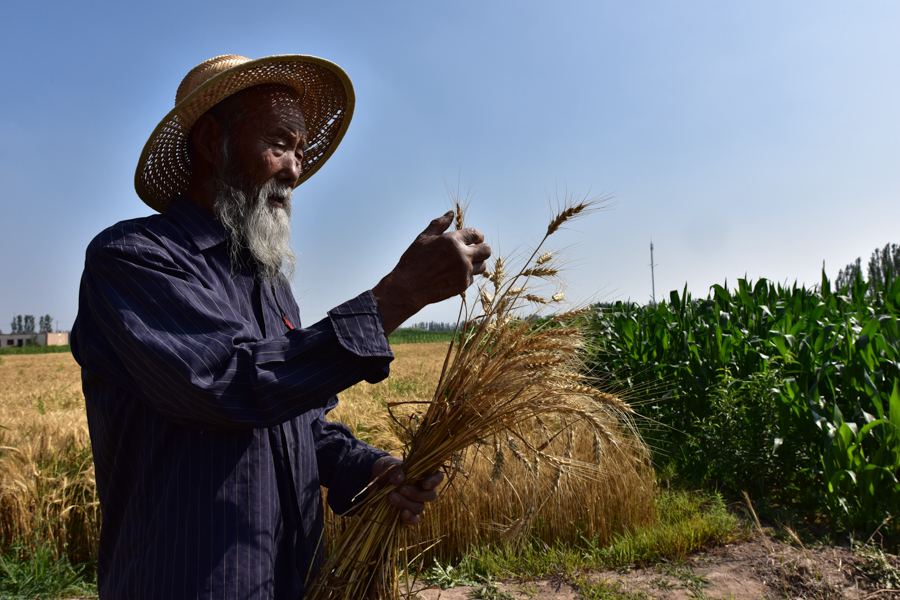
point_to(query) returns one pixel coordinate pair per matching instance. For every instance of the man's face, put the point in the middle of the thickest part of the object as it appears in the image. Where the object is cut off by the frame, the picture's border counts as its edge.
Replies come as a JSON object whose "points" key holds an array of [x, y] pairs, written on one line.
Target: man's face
{"points": [[257, 167], [270, 140]]}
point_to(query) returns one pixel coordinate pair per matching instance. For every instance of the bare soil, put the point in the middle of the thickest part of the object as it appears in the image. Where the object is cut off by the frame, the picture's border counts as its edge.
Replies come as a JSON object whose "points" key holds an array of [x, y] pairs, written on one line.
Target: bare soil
{"points": [[756, 568]]}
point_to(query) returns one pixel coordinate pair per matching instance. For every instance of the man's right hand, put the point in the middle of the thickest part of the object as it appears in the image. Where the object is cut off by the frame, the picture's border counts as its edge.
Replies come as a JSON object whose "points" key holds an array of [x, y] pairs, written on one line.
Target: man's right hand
{"points": [[438, 265]]}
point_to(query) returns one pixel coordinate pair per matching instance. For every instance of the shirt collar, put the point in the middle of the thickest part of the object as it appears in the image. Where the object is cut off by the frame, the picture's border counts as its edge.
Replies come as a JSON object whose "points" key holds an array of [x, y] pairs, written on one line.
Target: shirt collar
{"points": [[201, 227]]}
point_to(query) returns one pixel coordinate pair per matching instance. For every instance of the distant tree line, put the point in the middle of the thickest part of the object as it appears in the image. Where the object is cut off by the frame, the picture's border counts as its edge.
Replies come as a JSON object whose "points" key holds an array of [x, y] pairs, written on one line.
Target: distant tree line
{"points": [[433, 326], [883, 268], [25, 324]]}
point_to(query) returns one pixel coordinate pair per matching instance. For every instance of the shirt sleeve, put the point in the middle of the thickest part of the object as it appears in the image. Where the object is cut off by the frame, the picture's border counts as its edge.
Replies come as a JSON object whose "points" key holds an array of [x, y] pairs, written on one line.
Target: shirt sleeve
{"points": [[176, 341], [344, 462]]}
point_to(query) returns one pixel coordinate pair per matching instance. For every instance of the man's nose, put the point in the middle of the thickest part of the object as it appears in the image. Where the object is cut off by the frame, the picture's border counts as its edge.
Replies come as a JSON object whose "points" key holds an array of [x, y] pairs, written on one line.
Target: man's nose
{"points": [[291, 168]]}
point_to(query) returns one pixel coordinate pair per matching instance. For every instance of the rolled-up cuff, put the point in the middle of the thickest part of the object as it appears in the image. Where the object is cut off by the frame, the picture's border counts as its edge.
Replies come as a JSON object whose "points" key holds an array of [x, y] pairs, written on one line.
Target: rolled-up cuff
{"points": [[360, 329]]}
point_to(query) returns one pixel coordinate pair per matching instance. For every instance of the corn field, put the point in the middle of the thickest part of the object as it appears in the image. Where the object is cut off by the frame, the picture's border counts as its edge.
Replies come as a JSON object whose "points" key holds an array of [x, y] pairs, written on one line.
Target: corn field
{"points": [[791, 394]]}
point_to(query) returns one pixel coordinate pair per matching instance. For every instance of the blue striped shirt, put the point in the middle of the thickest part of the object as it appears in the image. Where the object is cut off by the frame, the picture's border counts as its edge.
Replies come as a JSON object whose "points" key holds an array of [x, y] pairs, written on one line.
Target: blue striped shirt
{"points": [[207, 413]]}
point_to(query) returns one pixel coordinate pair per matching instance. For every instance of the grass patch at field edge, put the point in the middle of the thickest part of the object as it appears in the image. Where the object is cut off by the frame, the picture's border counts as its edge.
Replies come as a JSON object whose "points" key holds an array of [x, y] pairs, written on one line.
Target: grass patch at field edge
{"points": [[30, 571], [414, 335], [36, 350], [686, 523]]}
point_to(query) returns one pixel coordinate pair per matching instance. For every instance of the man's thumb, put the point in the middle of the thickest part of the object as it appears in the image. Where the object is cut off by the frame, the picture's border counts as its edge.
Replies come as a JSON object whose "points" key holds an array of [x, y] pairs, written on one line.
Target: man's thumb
{"points": [[439, 225]]}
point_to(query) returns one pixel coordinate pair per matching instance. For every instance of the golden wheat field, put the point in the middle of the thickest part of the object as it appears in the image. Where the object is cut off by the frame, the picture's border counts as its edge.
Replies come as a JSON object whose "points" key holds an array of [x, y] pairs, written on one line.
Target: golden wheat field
{"points": [[47, 493]]}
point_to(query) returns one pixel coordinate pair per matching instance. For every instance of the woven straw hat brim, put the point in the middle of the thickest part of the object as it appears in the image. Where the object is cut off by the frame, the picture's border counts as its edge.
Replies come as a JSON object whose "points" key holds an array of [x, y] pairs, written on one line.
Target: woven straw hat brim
{"points": [[327, 102]]}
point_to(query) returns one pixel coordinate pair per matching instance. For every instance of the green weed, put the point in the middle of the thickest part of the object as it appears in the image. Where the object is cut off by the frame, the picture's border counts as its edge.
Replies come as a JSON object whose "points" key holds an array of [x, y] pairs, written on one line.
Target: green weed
{"points": [[686, 522], [877, 566], [603, 590], [30, 571], [447, 576], [490, 591]]}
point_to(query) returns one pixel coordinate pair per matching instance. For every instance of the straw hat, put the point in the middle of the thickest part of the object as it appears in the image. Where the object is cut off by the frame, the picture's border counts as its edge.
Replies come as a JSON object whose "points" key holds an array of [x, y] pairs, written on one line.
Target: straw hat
{"points": [[327, 101]]}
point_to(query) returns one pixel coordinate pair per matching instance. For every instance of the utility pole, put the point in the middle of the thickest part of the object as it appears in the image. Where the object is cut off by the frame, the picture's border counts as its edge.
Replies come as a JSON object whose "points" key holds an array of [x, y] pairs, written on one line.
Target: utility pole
{"points": [[652, 274]]}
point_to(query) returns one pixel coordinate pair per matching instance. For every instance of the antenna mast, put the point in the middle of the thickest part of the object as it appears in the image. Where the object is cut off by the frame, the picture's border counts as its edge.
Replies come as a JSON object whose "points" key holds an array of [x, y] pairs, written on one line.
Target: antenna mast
{"points": [[652, 274]]}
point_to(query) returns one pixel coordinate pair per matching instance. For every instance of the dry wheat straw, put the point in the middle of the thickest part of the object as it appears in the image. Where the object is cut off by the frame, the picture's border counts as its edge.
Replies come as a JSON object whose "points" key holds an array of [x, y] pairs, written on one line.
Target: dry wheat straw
{"points": [[507, 379]]}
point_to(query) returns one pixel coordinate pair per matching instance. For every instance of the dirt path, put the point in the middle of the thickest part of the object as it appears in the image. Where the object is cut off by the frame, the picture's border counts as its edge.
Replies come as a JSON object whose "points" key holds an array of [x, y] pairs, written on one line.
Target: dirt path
{"points": [[758, 568]]}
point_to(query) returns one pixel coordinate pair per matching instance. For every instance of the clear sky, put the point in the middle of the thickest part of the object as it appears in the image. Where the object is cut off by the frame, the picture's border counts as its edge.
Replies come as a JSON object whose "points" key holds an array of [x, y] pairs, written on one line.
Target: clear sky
{"points": [[745, 138]]}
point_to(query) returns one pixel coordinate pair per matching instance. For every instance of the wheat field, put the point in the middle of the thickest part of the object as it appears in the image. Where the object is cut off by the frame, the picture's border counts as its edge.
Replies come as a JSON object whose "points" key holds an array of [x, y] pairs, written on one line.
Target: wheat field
{"points": [[47, 492], [47, 489]]}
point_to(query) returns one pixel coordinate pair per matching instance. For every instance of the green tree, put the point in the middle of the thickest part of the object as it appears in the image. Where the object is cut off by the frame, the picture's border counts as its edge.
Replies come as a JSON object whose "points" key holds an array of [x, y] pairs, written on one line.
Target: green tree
{"points": [[28, 326], [847, 276], [884, 265], [883, 268]]}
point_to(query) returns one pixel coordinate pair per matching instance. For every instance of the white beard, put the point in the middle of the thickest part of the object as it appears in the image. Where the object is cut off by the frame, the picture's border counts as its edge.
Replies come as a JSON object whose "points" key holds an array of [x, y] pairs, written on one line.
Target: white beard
{"points": [[256, 225]]}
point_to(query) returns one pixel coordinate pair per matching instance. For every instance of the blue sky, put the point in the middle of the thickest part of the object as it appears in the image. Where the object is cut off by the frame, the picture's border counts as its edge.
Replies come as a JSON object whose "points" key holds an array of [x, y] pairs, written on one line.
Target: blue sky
{"points": [[752, 139]]}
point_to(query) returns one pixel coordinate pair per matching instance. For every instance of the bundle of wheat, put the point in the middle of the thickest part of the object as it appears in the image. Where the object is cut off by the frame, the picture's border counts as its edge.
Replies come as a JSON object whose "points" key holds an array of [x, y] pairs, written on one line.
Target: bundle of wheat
{"points": [[510, 383]]}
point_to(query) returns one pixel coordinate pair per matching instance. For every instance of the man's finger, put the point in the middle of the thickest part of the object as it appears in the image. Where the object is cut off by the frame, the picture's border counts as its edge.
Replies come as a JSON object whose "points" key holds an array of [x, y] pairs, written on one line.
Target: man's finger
{"points": [[470, 235], [439, 225], [395, 474], [417, 493], [388, 469], [404, 502], [479, 252], [432, 481]]}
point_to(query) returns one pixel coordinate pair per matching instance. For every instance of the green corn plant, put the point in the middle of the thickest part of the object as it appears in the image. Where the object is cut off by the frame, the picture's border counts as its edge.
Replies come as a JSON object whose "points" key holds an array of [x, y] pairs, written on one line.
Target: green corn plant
{"points": [[811, 372]]}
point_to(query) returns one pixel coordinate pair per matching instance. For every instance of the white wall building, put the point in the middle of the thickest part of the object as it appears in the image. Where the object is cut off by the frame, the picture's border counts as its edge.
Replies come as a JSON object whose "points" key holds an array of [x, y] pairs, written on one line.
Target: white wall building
{"points": [[11, 340]]}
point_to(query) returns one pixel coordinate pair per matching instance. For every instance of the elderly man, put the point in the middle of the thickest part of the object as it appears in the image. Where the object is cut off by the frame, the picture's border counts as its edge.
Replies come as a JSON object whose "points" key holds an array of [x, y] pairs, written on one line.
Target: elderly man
{"points": [[206, 400]]}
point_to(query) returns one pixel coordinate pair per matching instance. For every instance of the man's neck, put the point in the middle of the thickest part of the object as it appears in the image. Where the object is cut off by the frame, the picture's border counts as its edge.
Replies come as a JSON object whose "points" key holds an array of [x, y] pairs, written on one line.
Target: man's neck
{"points": [[198, 192]]}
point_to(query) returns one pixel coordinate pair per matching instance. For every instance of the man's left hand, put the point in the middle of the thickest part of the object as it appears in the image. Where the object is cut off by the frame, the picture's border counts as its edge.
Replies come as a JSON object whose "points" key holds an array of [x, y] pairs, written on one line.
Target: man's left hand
{"points": [[410, 499]]}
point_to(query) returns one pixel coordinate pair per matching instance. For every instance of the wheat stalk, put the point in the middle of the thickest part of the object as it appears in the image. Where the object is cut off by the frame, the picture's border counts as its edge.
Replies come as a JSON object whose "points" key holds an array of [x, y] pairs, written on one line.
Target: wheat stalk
{"points": [[506, 376]]}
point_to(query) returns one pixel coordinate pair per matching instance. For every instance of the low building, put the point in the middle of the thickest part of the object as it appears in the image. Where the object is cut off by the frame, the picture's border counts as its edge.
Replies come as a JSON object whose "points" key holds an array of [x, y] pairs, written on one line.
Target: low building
{"points": [[12, 340]]}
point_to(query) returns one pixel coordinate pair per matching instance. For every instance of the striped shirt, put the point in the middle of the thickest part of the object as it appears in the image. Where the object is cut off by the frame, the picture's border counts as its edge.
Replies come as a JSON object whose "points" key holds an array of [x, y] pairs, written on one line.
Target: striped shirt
{"points": [[206, 405]]}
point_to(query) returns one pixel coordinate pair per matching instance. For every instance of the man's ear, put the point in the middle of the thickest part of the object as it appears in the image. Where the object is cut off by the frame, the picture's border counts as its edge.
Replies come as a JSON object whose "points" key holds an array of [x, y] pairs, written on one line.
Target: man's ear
{"points": [[206, 136]]}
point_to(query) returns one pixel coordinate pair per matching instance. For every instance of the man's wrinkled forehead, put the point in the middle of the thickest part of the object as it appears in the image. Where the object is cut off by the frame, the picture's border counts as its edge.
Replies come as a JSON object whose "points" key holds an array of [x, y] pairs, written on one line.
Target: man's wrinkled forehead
{"points": [[270, 100]]}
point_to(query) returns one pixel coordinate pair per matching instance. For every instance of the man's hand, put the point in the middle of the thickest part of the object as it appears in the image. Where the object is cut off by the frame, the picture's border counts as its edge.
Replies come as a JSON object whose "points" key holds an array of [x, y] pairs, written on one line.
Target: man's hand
{"points": [[437, 266], [410, 499]]}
